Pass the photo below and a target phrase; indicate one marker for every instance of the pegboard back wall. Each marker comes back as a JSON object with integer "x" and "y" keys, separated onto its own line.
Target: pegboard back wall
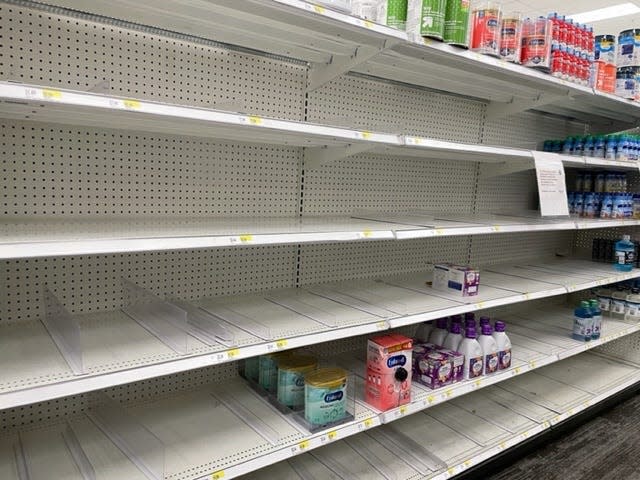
{"x": 42, "y": 48}
{"x": 93, "y": 283}
{"x": 62, "y": 171}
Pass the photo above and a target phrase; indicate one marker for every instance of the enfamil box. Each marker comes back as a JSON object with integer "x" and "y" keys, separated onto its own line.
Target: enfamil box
{"x": 388, "y": 382}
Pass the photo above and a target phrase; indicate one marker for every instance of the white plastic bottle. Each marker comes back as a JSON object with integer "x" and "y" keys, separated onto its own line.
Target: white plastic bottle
{"x": 489, "y": 350}
{"x": 472, "y": 352}
{"x": 504, "y": 345}
{"x": 452, "y": 342}
{"x": 439, "y": 333}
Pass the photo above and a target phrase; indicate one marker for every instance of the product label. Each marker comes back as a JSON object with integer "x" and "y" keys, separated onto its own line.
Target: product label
{"x": 491, "y": 362}
{"x": 632, "y": 309}
{"x": 324, "y": 405}
{"x": 504, "y": 357}
{"x": 624, "y": 257}
{"x": 582, "y": 328}
{"x": 618, "y": 306}
{"x": 432, "y": 24}
{"x": 604, "y": 303}
{"x": 597, "y": 325}
{"x": 475, "y": 367}
{"x": 396, "y": 13}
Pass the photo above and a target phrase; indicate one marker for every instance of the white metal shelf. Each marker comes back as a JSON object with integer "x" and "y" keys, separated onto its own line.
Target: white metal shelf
{"x": 336, "y": 43}
{"x": 32, "y": 238}
{"x": 260, "y": 324}
{"x": 190, "y": 425}
{"x": 469, "y": 430}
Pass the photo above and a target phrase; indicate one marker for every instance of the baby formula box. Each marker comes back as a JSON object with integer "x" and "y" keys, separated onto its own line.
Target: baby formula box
{"x": 389, "y": 365}
{"x": 325, "y": 396}
{"x": 486, "y": 22}
{"x": 605, "y": 49}
{"x": 291, "y": 372}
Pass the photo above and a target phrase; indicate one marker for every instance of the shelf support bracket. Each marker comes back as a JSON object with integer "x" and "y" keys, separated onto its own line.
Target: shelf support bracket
{"x": 322, "y": 73}
{"x": 498, "y": 110}
{"x": 491, "y": 170}
{"x": 316, "y": 157}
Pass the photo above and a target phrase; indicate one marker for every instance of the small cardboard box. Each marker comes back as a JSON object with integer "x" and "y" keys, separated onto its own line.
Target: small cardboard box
{"x": 388, "y": 382}
{"x": 457, "y": 279}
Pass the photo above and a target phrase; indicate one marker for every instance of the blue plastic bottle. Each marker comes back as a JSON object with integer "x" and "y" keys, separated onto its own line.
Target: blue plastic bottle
{"x": 582, "y": 322}
{"x": 624, "y": 256}
{"x": 611, "y": 147}
{"x": 596, "y": 314}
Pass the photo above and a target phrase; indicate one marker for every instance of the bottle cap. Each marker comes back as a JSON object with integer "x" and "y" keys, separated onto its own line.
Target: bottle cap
{"x": 441, "y": 323}
{"x": 469, "y": 315}
{"x": 484, "y": 320}
{"x": 456, "y": 319}
{"x": 486, "y": 329}
{"x": 584, "y": 304}
{"x": 470, "y": 323}
{"x": 500, "y": 326}
{"x": 470, "y": 333}
{"x": 456, "y": 328}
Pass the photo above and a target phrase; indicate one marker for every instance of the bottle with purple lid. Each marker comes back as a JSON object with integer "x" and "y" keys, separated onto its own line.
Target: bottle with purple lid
{"x": 439, "y": 333}
{"x": 489, "y": 350}
{"x": 504, "y": 345}
{"x": 484, "y": 320}
{"x": 472, "y": 351}
{"x": 452, "y": 342}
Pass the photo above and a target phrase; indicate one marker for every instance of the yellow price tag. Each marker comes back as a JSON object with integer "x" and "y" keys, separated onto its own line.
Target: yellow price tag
{"x": 439, "y": 231}
{"x": 246, "y": 238}
{"x": 448, "y": 393}
{"x": 532, "y": 364}
{"x": 234, "y": 352}
{"x": 480, "y": 305}
{"x": 403, "y": 410}
{"x": 503, "y": 445}
{"x": 52, "y": 94}
{"x": 132, "y": 104}
{"x": 426, "y": 41}
{"x": 467, "y": 463}
{"x": 368, "y": 422}
{"x": 546, "y": 424}
{"x": 527, "y": 296}
{"x": 282, "y": 343}
{"x": 367, "y": 233}
{"x": 366, "y": 135}
{"x": 368, "y": 24}
{"x": 304, "y": 445}
{"x": 255, "y": 120}
{"x": 218, "y": 475}
{"x": 496, "y": 228}
{"x": 332, "y": 435}
{"x": 478, "y": 383}
{"x": 318, "y": 9}
{"x": 381, "y": 325}
{"x": 517, "y": 371}
{"x": 430, "y": 399}
{"x": 451, "y": 471}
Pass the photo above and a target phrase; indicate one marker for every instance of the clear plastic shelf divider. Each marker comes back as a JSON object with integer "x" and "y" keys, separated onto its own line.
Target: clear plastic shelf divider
{"x": 64, "y": 330}
{"x": 331, "y": 464}
{"x": 239, "y": 320}
{"x": 22, "y": 465}
{"x": 366, "y": 295}
{"x": 165, "y": 321}
{"x": 248, "y": 417}
{"x": 139, "y": 444}
{"x": 352, "y": 302}
{"x": 418, "y": 456}
{"x": 301, "y": 465}
{"x": 299, "y": 306}
{"x": 365, "y": 452}
{"x": 206, "y": 327}
{"x": 78, "y": 454}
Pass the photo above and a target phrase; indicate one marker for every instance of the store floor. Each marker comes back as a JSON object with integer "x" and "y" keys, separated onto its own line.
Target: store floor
{"x": 604, "y": 448}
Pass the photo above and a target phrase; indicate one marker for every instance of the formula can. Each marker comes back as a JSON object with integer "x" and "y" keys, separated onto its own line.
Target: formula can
{"x": 536, "y": 43}
{"x": 485, "y": 28}
{"x": 426, "y": 18}
{"x": 325, "y": 396}
{"x": 393, "y": 13}
{"x": 291, "y": 372}
{"x": 268, "y": 370}
{"x": 627, "y": 82}
{"x": 456, "y": 22}
{"x": 511, "y": 38}
{"x": 605, "y": 49}
{"x": 629, "y": 48}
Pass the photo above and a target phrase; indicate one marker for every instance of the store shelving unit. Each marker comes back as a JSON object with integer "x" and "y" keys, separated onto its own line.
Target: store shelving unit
{"x": 191, "y": 184}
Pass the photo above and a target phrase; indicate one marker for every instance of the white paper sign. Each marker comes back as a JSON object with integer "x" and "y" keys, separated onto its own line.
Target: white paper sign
{"x": 552, "y": 187}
